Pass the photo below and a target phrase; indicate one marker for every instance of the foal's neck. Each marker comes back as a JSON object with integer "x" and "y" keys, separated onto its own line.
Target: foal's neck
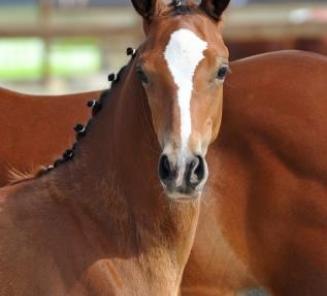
{"x": 114, "y": 177}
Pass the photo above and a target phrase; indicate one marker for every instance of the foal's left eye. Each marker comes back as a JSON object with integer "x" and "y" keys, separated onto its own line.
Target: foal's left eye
{"x": 142, "y": 76}
{"x": 222, "y": 72}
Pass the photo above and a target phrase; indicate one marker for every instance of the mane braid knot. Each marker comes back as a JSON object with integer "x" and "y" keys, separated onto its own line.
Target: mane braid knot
{"x": 91, "y": 103}
{"x": 68, "y": 154}
{"x": 95, "y": 105}
{"x": 111, "y": 77}
{"x": 131, "y": 52}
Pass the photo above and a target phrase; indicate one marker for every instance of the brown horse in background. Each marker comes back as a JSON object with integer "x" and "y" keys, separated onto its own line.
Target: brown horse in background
{"x": 266, "y": 222}
{"x": 100, "y": 222}
{"x": 34, "y": 129}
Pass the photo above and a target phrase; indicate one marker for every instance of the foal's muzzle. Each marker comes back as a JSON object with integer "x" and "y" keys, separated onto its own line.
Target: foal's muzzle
{"x": 183, "y": 179}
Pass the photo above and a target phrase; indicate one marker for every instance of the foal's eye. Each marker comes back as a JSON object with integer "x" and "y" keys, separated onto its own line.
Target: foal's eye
{"x": 222, "y": 72}
{"x": 142, "y": 76}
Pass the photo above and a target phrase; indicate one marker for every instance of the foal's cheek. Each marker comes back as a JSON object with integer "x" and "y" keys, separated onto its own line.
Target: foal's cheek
{"x": 207, "y": 134}
{"x": 156, "y": 118}
{"x": 216, "y": 123}
{"x": 216, "y": 113}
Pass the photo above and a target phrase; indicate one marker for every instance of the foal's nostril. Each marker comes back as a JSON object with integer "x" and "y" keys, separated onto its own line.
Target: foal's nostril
{"x": 164, "y": 168}
{"x": 200, "y": 169}
{"x": 196, "y": 171}
{"x": 184, "y": 177}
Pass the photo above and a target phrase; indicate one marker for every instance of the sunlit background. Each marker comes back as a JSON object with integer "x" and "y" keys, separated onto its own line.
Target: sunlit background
{"x": 61, "y": 46}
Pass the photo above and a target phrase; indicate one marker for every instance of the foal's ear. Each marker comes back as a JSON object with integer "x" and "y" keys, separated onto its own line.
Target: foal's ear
{"x": 148, "y": 8}
{"x": 214, "y": 8}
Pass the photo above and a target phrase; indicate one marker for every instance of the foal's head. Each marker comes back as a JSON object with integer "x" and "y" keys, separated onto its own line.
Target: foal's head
{"x": 182, "y": 66}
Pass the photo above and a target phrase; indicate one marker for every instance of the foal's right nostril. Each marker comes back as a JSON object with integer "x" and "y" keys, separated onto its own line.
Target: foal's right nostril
{"x": 164, "y": 168}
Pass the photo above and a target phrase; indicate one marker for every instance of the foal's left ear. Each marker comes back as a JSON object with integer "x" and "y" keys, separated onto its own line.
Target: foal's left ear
{"x": 214, "y": 8}
{"x": 148, "y": 8}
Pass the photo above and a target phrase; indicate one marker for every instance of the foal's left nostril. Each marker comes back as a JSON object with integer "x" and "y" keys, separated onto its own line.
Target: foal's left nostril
{"x": 196, "y": 171}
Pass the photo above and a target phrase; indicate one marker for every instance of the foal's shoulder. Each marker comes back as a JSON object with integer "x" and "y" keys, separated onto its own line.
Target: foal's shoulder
{"x": 25, "y": 234}
{"x": 23, "y": 203}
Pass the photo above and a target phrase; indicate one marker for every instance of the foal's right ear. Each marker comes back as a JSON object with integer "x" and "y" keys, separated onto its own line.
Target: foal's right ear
{"x": 148, "y": 8}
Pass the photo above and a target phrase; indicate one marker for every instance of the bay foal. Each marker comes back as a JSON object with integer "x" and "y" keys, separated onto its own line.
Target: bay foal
{"x": 100, "y": 223}
{"x": 248, "y": 191}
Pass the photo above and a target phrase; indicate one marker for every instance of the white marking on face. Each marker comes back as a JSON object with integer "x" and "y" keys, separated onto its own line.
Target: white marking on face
{"x": 183, "y": 54}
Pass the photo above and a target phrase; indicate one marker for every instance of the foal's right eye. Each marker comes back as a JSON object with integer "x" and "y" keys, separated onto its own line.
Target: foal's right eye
{"x": 142, "y": 76}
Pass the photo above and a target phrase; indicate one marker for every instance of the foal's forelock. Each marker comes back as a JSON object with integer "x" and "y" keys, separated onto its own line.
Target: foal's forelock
{"x": 183, "y": 53}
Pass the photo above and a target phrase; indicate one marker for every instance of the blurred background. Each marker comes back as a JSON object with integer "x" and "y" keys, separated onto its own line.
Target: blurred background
{"x": 61, "y": 46}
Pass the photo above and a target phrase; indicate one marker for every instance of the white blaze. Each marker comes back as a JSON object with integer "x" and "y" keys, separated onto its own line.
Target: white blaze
{"x": 183, "y": 54}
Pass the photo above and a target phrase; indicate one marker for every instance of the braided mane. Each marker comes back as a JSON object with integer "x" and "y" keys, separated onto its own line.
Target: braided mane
{"x": 81, "y": 130}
